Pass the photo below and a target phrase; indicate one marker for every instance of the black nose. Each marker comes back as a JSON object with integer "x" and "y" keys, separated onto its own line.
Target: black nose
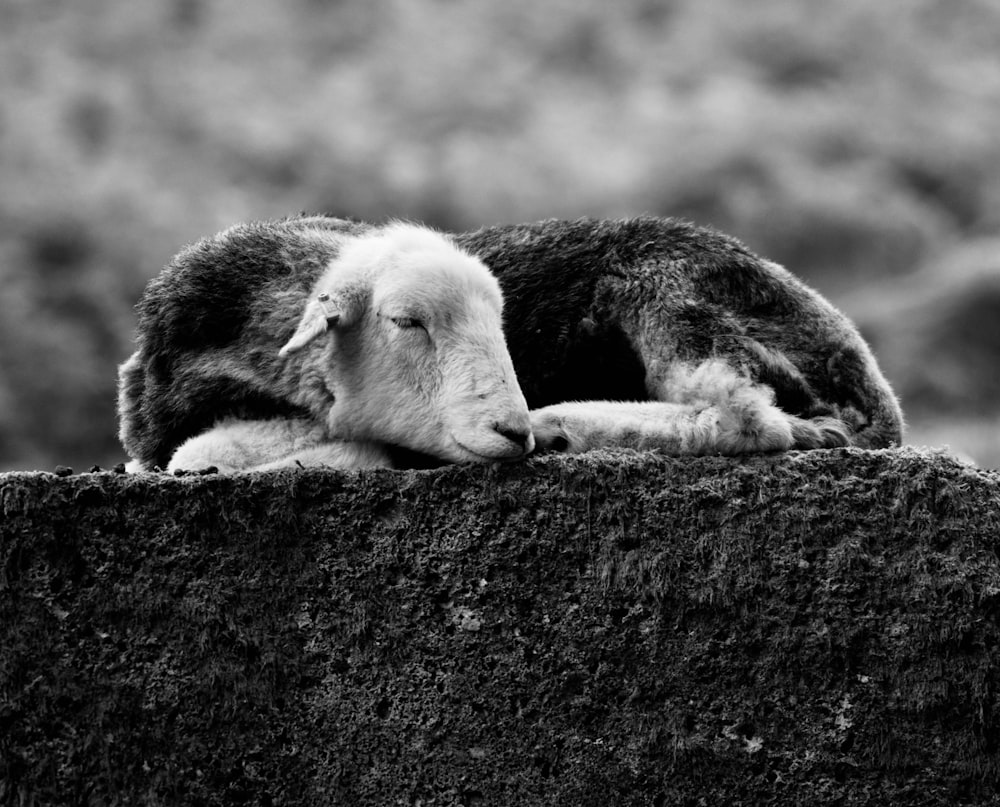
{"x": 516, "y": 436}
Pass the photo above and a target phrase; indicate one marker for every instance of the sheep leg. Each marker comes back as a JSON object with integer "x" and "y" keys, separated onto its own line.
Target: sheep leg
{"x": 342, "y": 454}
{"x": 257, "y": 445}
{"x": 711, "y": 410}
{"x": 676, "y": 429}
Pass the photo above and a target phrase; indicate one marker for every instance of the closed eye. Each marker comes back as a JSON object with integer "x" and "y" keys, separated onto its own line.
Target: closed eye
{"x": 407, "y": 322}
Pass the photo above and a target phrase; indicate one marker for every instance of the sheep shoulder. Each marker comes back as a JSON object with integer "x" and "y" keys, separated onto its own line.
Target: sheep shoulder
{"x": 206, "y": 331}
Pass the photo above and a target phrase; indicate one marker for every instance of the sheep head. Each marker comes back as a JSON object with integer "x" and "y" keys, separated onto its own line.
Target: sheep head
{"x": 406, "y": 331}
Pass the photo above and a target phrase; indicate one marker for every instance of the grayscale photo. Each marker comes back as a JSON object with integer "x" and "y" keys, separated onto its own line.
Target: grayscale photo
{"x": 432, "y": 402}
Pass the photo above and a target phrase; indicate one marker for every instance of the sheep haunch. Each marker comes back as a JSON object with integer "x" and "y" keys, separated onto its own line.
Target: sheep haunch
{"x": 302, "y": 341}
{"x": 690, "y": 323}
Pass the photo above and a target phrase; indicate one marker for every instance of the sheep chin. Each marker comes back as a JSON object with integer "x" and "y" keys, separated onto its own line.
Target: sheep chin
{"x": 510, "y": 453}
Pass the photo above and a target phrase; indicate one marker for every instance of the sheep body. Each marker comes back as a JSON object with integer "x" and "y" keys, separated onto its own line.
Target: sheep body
{"x": 629, "y": 310}
{"x": 644, "y": 332}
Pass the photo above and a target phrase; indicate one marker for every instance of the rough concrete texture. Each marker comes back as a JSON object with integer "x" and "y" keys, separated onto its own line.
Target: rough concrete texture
{"x": 610, "y": 629}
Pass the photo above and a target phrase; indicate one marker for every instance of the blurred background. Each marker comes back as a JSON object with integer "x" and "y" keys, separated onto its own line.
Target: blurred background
{"x": 857, "y": 143}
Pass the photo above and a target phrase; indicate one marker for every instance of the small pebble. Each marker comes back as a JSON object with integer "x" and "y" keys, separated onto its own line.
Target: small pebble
{"x": 62, "y": 470}
{"x": 119, "y": 468}
{"x": 95, "y": 469}
{"x": 211, "y": 469}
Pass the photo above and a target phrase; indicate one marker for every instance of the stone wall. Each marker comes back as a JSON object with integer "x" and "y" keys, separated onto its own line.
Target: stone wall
{"x": 610, "y": 629}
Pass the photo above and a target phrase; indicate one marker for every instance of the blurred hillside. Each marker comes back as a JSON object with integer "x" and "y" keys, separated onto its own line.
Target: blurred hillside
{"x": 854, "y": 142}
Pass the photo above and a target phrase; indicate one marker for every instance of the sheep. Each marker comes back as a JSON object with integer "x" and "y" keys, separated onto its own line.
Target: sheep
{"x": 320, "y": 341}
{"x": 641, "y": 333}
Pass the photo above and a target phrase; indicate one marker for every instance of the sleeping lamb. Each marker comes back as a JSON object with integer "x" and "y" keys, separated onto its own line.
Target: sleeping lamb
{"x": 321, "y": 341}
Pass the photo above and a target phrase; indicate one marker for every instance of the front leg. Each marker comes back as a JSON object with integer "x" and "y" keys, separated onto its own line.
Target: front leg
{"x": 233, "y": 446}
{"x": 342, "y": 454}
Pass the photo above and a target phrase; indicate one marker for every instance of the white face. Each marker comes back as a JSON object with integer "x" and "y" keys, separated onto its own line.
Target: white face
{"x": 422, "y": 363}
{"x": 429, "y": 369}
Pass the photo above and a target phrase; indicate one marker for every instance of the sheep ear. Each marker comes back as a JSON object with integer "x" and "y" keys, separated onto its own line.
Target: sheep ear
{"x": 319, "y": 316}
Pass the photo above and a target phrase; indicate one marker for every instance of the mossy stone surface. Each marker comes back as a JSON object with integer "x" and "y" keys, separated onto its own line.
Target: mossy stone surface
{"x": 608, "y": 629}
